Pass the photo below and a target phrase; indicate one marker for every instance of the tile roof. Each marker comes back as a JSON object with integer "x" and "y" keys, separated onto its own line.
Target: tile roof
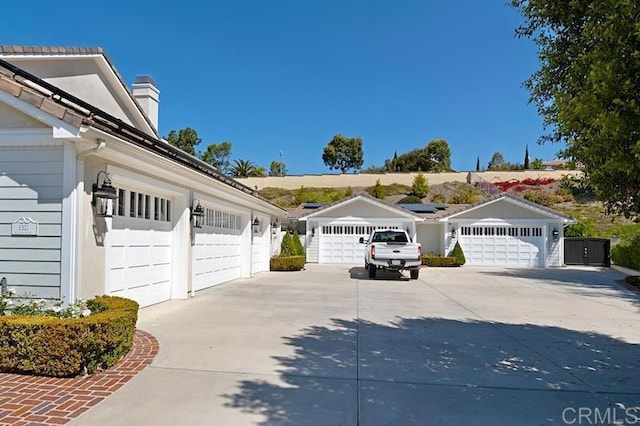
{"x": 66, "y": 107}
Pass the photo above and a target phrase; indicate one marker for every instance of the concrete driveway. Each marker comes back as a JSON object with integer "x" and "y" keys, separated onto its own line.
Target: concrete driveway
{"x": 328, "y": 346}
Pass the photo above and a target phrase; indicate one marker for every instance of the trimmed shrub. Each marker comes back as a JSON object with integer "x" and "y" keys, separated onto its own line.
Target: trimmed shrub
{"x": 289, "y": 263}
{"x": 627, "y": 254}
{"x": 287, "y": 248}
{"x": 298, "y": 250}
{"x": 458, "y": 254}
{"x": 439, "y": 261}
{"x": 56, "y": 347}
{"x": 410, "y": 199}
{"x": 581, "y": 229}
{"x": 377, "y": 191}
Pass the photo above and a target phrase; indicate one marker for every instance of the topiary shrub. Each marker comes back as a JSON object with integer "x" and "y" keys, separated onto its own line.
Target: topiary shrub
{"x": 292, "y": 256}
{"x": 439, "y": 261}
{"x": 289, "y": 263}
{"x": 287, "y": 247}
{"x": 458, "y": 254}
{"x": 59, "y": 347}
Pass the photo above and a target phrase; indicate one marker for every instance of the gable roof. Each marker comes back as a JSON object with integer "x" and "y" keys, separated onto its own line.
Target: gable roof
{"x": 89, "y": 52}
{"x": 54, "y": 101}
{"x": 514, "y": 200}
{"x": 364, "y": 197}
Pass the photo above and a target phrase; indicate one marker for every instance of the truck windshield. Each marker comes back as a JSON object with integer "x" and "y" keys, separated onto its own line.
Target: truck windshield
{"x": 390, "y": 236}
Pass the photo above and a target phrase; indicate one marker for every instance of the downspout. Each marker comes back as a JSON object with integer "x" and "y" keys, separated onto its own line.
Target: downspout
{"x": 251, "y": 244}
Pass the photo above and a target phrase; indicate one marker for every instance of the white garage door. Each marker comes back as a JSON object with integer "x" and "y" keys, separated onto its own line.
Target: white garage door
{"x": 519, "y": 246}
{"x": 340, "y": 243}
{"x": 140, "y": 250}
{"x": 217, "y": 249}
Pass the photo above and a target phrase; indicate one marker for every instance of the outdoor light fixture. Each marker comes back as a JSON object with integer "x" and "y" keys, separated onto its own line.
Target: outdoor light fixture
{"x": 197, "y": 214}
{"x": 256, "y": 225}
{"x": 453, "y": 232}
{"x": 313, "y": 231}
{"x": 555, "y": 233}
{"x": 103, "y": 196}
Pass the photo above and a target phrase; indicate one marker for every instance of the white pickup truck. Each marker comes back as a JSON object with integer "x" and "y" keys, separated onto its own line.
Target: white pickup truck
{"x": 392, "y": 249}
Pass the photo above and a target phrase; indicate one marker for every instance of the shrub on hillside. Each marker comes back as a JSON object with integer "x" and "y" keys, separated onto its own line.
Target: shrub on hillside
{"x": 458, "y": 254}
{"x": 543, "y": 198}
{"x": 627, "y": 254}
{"x": 464, "y": 194}
{"x": 420, "y": 186}
{"x": 410, "y": 199}
{"x": 378, "y": 191}
{"x": 438, "y": 198}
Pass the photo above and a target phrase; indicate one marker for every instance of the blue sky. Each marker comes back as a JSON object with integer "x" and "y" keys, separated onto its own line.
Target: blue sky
{"x": 289, "y": 74}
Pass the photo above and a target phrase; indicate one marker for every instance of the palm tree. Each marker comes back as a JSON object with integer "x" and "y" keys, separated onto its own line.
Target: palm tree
{"x": 243, "y": 168}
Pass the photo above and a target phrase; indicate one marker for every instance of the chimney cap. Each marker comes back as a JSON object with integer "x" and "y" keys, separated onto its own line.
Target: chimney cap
{"x": 145, "y": 79}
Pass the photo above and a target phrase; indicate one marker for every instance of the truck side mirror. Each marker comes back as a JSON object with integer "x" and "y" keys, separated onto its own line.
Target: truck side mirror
{"x": 361, "y": 240}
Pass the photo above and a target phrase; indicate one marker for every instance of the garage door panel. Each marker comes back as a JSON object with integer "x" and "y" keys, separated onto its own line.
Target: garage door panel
{"x": 217, "y": 250}
{"x": 502, "y": 245}
{"x": 340, "y": 243}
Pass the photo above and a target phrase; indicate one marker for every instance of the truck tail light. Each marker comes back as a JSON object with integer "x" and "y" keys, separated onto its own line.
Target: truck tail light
{"x": 419, "y": 251}
{"x": 373, "y": 252}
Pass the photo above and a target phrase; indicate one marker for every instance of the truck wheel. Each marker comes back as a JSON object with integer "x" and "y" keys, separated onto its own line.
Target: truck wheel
{"x": 372, "y": 271}
{"x": 414, "y": 273}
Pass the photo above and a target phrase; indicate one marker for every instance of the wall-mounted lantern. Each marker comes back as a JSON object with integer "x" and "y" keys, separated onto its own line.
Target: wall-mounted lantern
{"x": 555, "y": 233}
{"x": 453, "y": 232}
{"x": 274, "y": 226}
{"x": 103, "y": 196}
{"x": 313, "y": 231}
{"x": 255, "y": 225}
{"x": 197, "y": 214}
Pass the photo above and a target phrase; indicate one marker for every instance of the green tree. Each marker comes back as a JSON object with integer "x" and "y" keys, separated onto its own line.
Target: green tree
{"x": 343, "y": 153}
{"x": 277, "y": 169}
{"x": 526, "y": 158}
{"x": 497, "y": 162}
{"x": 439, "y": 156}
{"x": 246, "y": 168}
{"x": 587, "y": 89}
{"x": 218, "y": 156}
{"x": 420, "y": 186}
{"x": 185, "y": 139}
{"x": 536, "y": 164}
{"x": 478, "y": 164}
{"x": 378, "y": 190}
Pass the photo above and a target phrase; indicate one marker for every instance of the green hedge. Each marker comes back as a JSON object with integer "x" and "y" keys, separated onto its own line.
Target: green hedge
{"x": 58, "y": 347}
{"x": 627, "y": 254}
{"x": 439, "y": 261}
{"x": 287, "y": 263}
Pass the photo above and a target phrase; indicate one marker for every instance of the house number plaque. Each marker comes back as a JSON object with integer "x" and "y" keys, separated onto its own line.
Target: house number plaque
{"x": 25, "y": 226}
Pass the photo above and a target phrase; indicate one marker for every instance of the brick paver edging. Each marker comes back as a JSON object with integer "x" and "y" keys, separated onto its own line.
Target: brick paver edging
{"x": 35, "y": 400}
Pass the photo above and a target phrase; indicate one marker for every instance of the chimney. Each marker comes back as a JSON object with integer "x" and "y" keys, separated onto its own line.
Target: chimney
{"x": 146, "y": 92}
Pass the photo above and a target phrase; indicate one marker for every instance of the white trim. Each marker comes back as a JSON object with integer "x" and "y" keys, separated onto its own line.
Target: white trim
{"x": 502, "y": 222}
{"x": 61, "y": 129}
{"x": 69, "y": 225}
{"x": 28, "y": 138}
{"x": 515, "y": 202}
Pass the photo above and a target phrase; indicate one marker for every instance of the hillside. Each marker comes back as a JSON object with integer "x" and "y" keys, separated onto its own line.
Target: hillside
{"x": 564, "y": 195}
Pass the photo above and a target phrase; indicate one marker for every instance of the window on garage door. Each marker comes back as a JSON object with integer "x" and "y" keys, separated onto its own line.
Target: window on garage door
{"x": 501, "y": 231}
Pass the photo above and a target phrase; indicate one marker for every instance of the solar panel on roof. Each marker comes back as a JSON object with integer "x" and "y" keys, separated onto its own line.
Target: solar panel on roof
{"x": 440, "y": 206}
{"x": 418, "y": 208}
{"x": 312, "y": 205}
